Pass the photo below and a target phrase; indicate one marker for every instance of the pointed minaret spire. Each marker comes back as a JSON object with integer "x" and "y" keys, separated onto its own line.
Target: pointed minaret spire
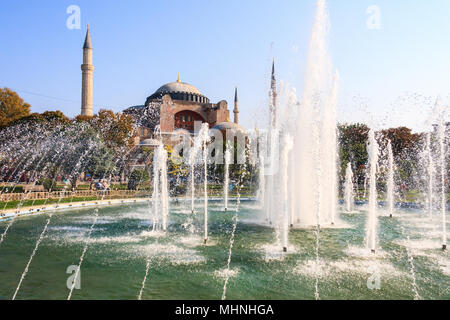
{"x": 87, "y": 78}
{"x": 236, "y": 107}
{"x": 87, "y": 40}
{"x": 273, "y": 97}
{"x": 273, "y": 70}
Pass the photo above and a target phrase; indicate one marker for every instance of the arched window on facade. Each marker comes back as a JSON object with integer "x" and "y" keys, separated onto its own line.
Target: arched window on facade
{"x": 186, "y": 119}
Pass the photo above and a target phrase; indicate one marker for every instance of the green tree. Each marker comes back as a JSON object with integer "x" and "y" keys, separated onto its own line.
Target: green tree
{"x": 352, "y": 148}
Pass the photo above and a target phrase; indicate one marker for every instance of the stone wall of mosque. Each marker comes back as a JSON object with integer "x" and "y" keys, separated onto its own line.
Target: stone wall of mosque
{"x": 211, "y": 113}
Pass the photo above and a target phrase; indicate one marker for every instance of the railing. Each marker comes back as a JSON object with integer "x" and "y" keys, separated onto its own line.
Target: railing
{"x": 5, "y": 197}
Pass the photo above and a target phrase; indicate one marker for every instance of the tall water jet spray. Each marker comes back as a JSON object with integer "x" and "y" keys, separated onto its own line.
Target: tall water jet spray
{"x": 390, "y": 180}
{"x": 315, "y": 146}
{"x": 155, "y": 192}
{"x": 329, "y": 152}
{"x": 271, "y": 181}
{"x": 365, "y": 184}
{"x": 430, "y": 174}
{"x": 262, "y": 178}
{"x": 204, "y": 138}
{"x": 164, "y": 188}
{"x": 227, "y": 176}
{"x": 160, "y": 195}
{"x": 287, "y": 147}
{"x": 441, "y": 139}
{"x": 348, "y": 190}
{"x": 291, "y": 194}
{"x": 371, "y": 232}
{"x": 270, "y": 194}
{"x": 197, "y": 145}
{"x": 192, "y": 186}
{"x": 41, "y": 237}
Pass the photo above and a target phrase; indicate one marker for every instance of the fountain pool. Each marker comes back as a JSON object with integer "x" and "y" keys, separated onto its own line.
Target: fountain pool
{"x": 181, "y": 267}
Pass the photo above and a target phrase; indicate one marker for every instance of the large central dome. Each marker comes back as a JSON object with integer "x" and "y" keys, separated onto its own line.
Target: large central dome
{"x": 181, "y": 91}
{"x": 178, "y": 87}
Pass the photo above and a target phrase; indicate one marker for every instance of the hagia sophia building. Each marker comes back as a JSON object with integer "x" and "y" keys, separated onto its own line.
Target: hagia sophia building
{"x": 174, "y": 107}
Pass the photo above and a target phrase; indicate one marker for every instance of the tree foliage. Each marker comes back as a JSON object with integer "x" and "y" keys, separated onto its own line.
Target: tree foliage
{"x": 352, "y": 143}
{"x": 115, "y": 129}
{"x": 12, "y": 107}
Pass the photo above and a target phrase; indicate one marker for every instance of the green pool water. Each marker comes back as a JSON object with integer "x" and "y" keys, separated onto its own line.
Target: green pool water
{"x": 409, "y": 263}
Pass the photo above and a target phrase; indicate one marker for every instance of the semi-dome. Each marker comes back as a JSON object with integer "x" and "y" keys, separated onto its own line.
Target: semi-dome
{"x": 179, "y": 91}
{"x": 150, "y": 143}
{"x": 181, "y": 132}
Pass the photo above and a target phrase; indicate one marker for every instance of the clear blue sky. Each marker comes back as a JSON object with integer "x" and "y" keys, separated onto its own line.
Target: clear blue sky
{"x": 391, "y": 75}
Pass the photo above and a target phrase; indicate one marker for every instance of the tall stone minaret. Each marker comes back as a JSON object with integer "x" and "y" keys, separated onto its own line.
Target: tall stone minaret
{"x": 236, "y": 107}
{"x": 87, "y": 78}
{"x": 273, "y": 97}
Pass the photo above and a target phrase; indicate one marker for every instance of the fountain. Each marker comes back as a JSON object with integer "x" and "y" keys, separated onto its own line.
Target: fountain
{"x": 371, "y": 231}
{"x": 314, "y": 134}
{"x": 227, "y": 176}
{"x": 155, "y": 194}
{"x": 365, "y": 186}
{"x": 330, "y": 150}
{"x": 262, "y": 179}
{"x": 160, "y": 197}
{"x": 298, "y": 166}
{"x": 160, "y": 194}
{"x": 348, "y": 190}
{"x": 198, "y": 144}
{"x": 441, "y": 138}
{"x": 430, "y": 173}
{"x": 270, "y": 193}
{"x": 44, "y": 230}
{"x": 390, "y": 181}
{"x": 227, "y": 270}
{"x": 192, "y": 174}
{"x": 287, "y": 147}
{"x": 202, "y": 140}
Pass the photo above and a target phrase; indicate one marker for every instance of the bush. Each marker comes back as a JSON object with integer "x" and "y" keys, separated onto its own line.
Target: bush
{"x": 137, "y": 177}
{"x": 119, "y": 187}
{"x": 13, "y": 189}
{"x": 46, "y": 183}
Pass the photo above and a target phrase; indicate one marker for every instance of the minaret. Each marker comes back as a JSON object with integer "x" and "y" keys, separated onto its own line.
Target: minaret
{"x": 273, "y": 97}
{"x": 87, "y": 78}
{"x": 236, "y": 107}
